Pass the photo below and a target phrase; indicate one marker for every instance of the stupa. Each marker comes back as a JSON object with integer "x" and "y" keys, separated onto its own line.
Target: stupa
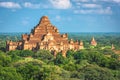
{"x": 93, "y": 42}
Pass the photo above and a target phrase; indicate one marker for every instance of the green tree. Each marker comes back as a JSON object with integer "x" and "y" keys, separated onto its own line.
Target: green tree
{"x": 29, "y": 71}
{"x": 26, "y": 53}
{"x": 97, "y": 73}
{"x": 9, "y": 73}
{"x": 15, "y": 55}
{"x": 4, "y": 59}
{"x": 44, "y": 55}
{"x": 60, "y": 60}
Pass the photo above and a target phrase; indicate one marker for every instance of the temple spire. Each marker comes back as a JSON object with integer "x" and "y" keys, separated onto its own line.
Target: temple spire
{"x": 112, "y": 47}
{"x": 93, "y": 42}
{"x": 93, "y": 39}
{"x": 44, "y": 20}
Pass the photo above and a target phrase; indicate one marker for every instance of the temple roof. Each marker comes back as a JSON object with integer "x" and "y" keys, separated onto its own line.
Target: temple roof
{"x": 46, "y": 31}
{"x": 44, "y": 19}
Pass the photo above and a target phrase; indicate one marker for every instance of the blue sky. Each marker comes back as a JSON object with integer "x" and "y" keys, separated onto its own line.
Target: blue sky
{"x": 66, "y": 15}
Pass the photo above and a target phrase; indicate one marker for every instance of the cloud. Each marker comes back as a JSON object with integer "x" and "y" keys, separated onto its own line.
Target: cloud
{"x": 61, "y": 4}
{"x": 94, "y": 11}
{"x": 94, "y": 0}
{"x": 81, "y": 0}
{"x": 105, "y": 11}
{"x": 31, "y": 5}
{"x": 116, "y": 1}
{"x": 91, "y": 5}
{"x": 9, "y": 5}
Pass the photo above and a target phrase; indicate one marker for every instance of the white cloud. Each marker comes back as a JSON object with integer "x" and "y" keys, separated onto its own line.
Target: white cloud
{"x": 94, "y": 11}
{"x": 81, "y": 0}
{"x": 105, "y": 11}
{"x": 78, "y": 3}
{"x": 91, "y": 5}
{"x": 94, "y": 0}
{"x": 116, "y": 1}
{"x": 61, "y": 4}
{"x": 30, "y": 5}
{"x": 9, "y": 5}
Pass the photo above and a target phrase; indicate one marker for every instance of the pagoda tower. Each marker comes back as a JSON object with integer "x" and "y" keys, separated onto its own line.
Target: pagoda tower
{"x": 81, "y": 45}
{"x": 93, "y": 42}
{"x": 112, "y": 47}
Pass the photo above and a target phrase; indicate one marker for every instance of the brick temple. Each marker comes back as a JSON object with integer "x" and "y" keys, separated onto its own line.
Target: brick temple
{"x": 45, "y": 36}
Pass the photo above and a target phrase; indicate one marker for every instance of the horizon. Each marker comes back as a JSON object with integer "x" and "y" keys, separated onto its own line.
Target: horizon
{"x": 61, "y": 32}
{"x": 84, "y": 16}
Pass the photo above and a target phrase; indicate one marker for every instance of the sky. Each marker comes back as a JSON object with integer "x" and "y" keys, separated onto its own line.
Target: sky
{"x": 66, "y": 15}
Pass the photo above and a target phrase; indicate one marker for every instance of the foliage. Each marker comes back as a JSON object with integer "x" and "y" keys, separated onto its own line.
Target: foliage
{"x": 92, "y": 63}
{"x": 4, "y": 59}
{"x": 44, "y": 55}
{"x": 93, "y": 72}
{"x": 60, "y": 60}
{"x": 9, "y": 73}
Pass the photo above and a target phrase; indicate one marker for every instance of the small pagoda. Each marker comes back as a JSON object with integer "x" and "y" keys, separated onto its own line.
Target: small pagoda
{"x": 93, "y": 42}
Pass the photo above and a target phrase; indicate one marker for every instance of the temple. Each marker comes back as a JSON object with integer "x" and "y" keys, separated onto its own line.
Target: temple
{"x": 45, "y": 36}
{"x": 112, "y": 47}
{"x": 93, "y": 42}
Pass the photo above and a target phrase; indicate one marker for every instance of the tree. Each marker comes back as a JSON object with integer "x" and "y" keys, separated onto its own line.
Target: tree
{"x": 70, "y": 53}
{"x": 4, "y": 59}
{"x": 26, "y": 53}
{"x": 15, "y": 55}
{"x": 29, "y": 71}
{"x": 93, "y": 72}
{"x": 60, "y": 60}
{"x": 21, "y": 53}
{"x": 44, "y": 55}
{"x": 16, "y": 52}
{"x": 9, "y": 73}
